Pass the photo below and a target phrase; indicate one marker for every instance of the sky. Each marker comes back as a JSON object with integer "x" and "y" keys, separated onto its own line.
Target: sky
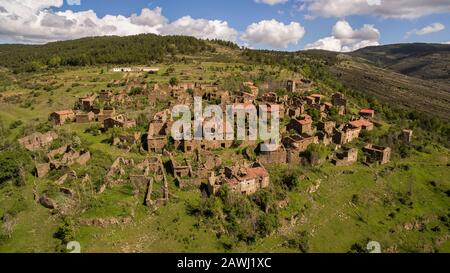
{"x": 337, "y": 25}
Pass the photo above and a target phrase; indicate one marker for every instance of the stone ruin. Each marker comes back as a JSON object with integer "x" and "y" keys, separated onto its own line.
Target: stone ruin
{"x": 144, "y": 177}
{"x": 37, "y": 141}
{"x": 64, "y": 156}
{"x": 346, "y": 158}
{"x": 190, "y": 174}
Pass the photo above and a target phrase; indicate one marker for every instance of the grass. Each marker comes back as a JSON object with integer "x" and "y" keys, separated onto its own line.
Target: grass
{"x": 333, "y": 217}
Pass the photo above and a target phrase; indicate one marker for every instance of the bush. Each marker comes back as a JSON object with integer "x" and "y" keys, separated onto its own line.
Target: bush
{"x": 316, "y": 153}
{"x": 66, "y": 231}
{"x": 300, "y": 241}
{"x": 13, "y": 164}
{"x": 173, "y": 81}
{"x": 15, "y": 124}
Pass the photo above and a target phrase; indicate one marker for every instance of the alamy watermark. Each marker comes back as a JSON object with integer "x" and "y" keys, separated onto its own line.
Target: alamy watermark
{"x": 239, "y": 121}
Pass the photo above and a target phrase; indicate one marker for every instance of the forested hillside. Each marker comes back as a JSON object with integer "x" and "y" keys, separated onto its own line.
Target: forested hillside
{"x": 139, "y": 49}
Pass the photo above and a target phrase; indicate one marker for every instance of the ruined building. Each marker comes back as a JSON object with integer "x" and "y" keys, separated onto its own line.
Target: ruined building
{"x": 37, "y": 140}
{"x": 60, "y": 117}
{"x": 346, "y": 157}
{"x": 377, "y": 154}
{"x": 244, "y": 179}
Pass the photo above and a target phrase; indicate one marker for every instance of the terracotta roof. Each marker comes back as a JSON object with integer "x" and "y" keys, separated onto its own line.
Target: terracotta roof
{"x": 243, "y": 106}
{"x": 65, "y": 112}
{"x": 367, "y": 111}
{"x": 306, "y": 120}
{"x": 316, "y": 96}
{"x": 257, "y": 172}
{"x": 361, "y": 123}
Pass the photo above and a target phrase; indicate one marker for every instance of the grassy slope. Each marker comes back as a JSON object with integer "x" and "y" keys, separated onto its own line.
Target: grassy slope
{"x": 330, "y": 219}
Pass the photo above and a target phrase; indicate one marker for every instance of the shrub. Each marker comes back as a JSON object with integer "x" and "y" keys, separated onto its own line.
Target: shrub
{"x": 13, "y": 163}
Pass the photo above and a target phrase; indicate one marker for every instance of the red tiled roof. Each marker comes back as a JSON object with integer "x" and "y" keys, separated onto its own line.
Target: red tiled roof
{"x": 306, "y": 120}
{"x": 64, "y": 112}
{"x": 367, "y": 111}
{"x": 257, "y": 172}
{"x": 361, "y": 123}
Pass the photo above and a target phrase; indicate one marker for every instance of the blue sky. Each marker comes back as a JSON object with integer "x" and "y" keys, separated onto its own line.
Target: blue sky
{"x": 288, "y": 25}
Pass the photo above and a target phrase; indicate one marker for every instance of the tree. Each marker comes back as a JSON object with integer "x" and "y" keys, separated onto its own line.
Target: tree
{"x": 54, "y": 62}
{"x": 316, "y": 153}
{"x": 173, "y": 81}
{"x": 12, "y": 165}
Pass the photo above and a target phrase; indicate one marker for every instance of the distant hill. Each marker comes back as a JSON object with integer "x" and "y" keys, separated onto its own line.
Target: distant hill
{"x": 138, "y": 49}
{"x": 425, "y": 61}
{"x": 416, "y": 76}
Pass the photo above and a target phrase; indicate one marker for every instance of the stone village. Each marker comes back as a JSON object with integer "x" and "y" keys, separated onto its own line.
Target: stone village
{"x": 196, "y": 162}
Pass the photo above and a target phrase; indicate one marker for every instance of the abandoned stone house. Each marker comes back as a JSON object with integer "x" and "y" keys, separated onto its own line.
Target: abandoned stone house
{"x": 270, "y": 97}
{"x": 296, "y": 101}
{"x": 364, "y": 124}
{"x": 327, "y": 127}
{"x": 270, "y": 108}
{"x": 317, "y": 98}
{"x": 37, "y": 140}
{"x": 346, "y": 158}
{"x": 83, "y": 117}
{"x": 190, "y": 146}
{"x": 295, "y": 112}
{"x": 299, "y": 143}
{"x": 407, "y": 135}
{"x": 298, "y": 86}
{"x": 346, "y": 134}
{"x": 87, "y": 102}
{"x": 118, "y": 121}
{"x": 367, "y": 113}
{"x": 106, "y": 96}
{"x": 338, "y": 99}
{"x": 157, "y": 137}
{"x": 181, "y": 169}
{"x": 125, "y": 141}
{"x": 276, "y": 156}
{"x": 324, "y": 138}
{"x": 310, "y": 100}
{"x": 245, "y": 179}
{"x": 291, "y": 86}
{"x": 377, "y": 154}
{"x": 245, "y": 97}
{"x": 60, "y": 117}
{"x": 220, "y": 96}
{"x": 106, "y": 113}
{"x": 63, "y": 156}
{"x": 328, "y": 106}
{"x": 205, "y": 163}
{"x": 302, "y": 125}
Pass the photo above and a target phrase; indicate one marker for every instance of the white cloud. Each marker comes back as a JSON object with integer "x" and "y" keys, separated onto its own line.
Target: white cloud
{"x": 201, "y": 28}
{"x": 447, "y": 43}
{"x": 327, "y": 43}
{"x": 149, "y": 17}
{"x": 436, "y": 27}
{"x": 30, "y": 21}
{"x": 403, "y": 9}
{"x": 273, "y": 33}
{"x": 73, "y": 2}
{"x": 271, "y": 2}
{"x": 344, "y": 38}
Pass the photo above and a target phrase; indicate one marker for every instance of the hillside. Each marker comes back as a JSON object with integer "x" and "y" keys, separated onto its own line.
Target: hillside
{"x": 139, "y": 191}
{"x": 424, "y": 61}
{"x": 413, "y": 76}
{"x": 138, "y": 49}
{"x": 426, "y": 96}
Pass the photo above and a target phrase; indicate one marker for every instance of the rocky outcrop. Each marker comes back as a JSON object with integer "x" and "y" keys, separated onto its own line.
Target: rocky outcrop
{"x": 47, "y": 202}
